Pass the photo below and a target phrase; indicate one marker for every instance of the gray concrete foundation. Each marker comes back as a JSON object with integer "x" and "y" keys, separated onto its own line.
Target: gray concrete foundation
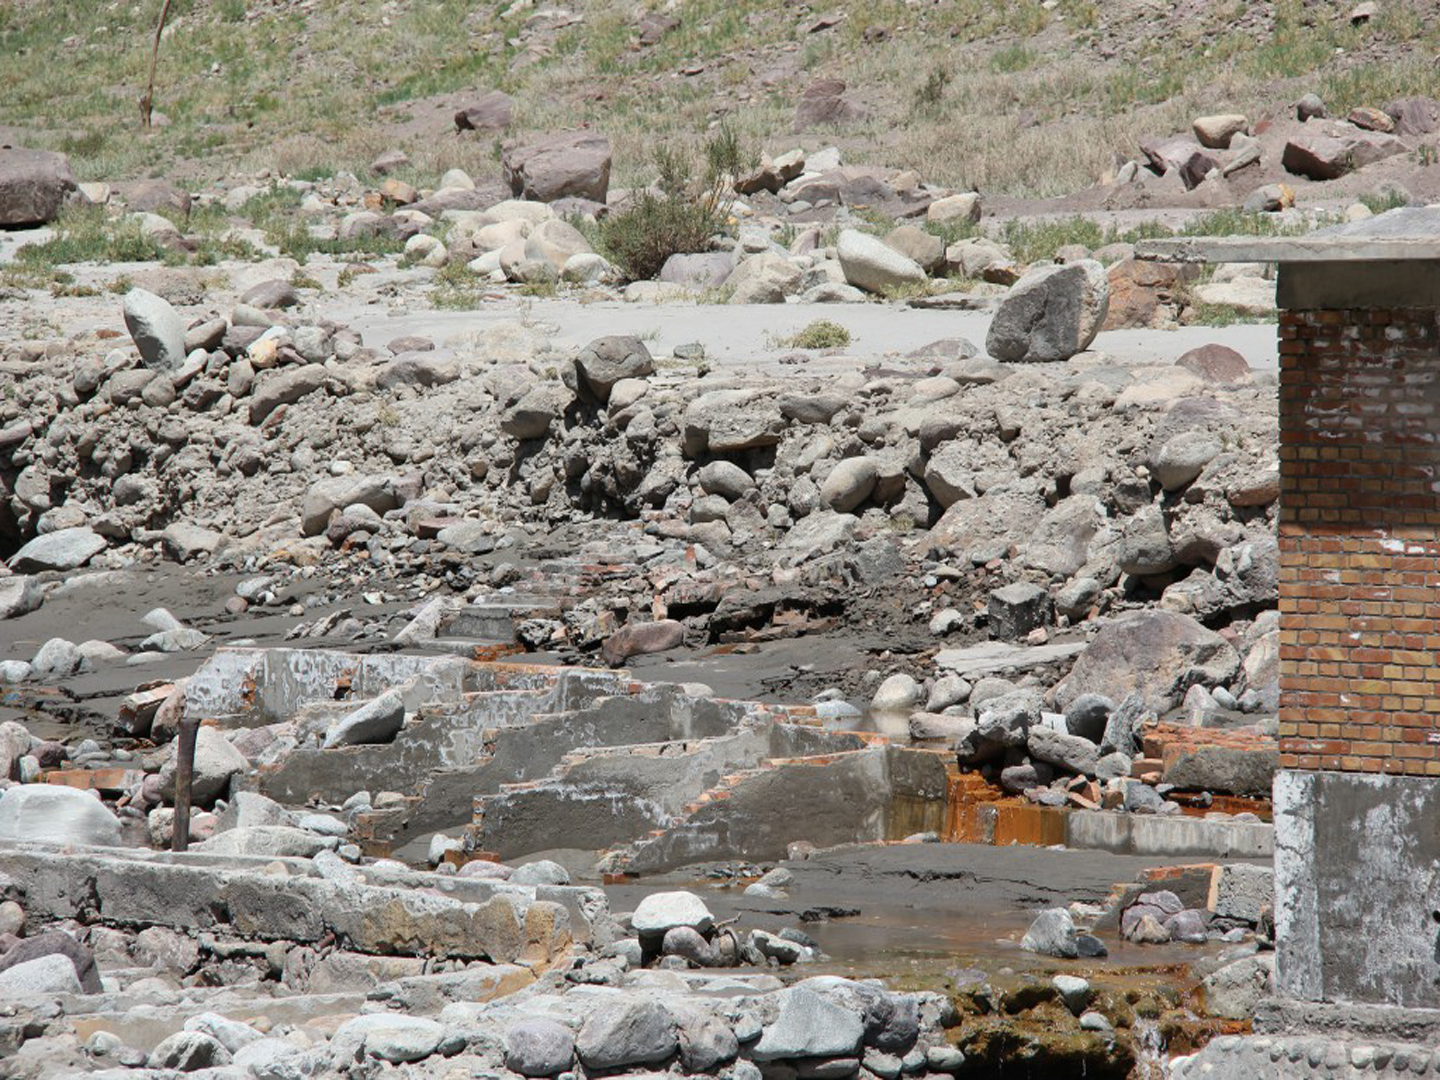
{"x": 1357, "y": 888}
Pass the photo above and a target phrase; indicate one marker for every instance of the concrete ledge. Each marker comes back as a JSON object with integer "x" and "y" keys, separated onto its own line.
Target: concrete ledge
{"x": 1379, "y": 1023}
{"x": 1145, "y": 834}
{"x": 1302, "y": 1057}
{"x": 493, "y": 921}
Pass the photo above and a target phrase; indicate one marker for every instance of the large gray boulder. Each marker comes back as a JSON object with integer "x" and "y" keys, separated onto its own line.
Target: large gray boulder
{"x": 216, "y": 761}
{"x": 377, "y": 721}
{"x": 53, "y": 974}
{"x": 1015, "y": 610}
{"x": 537, "y": 409}
{"x": 1051, "y": 313}
{"x": 56, "y": 660}
{"x": 572, "y": 164}
{"x": 490, "y": 111}
{"x": 57, "y": 943}
{"x": 870, "y": 264}
{"x": 333, "y": 493}
{"x": 63, "y": 549}
{"x": 1071, "y": 752}
{"x": 1184, "y": 457}
{"x": 1321, "y": 157}
{"x": 1052, "y": 933}
{"x": 1236, "y": 989}
{"x": 627, "y": 1032}
{"x": 20, "y": 594}
{"x": 387, "y": 1036}
{"x": 766, "y": 278}
{"x": 810, "y": 1025}
{"x": 661, "y": 912}
{"x": 1226, "y": 770}
{"x": 55, "y": 814}
{"x": 849, "y": 484}
{"x": 702, "y": 270}
{"x": 1156, "y": 654}
{"x": 156, "y": 328}
{"x": 1145, "y": 544}
{"x": 539, "y": 1048}
{"x": 605, "y": 361}
{"x": 34, "y": 185}
{"x": 188, "y": 1051}
{"x": 286, "y": 387}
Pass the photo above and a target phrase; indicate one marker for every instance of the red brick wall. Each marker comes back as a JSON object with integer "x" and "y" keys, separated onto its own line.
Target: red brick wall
{"x": 1360, "y": 540}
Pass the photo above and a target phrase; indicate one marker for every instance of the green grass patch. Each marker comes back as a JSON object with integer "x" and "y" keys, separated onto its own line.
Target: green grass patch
{"x": 1011, "y": 59}
{"x": 83, "y": 234}
{"x": 1381, "y": 201}
{"x": 820, "y": 334}
{"x": 1222, "y": 315}
{"x": 456, "y": 288}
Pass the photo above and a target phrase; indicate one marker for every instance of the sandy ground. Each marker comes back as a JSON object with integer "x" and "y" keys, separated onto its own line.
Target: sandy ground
{"x": 750, "y": 334}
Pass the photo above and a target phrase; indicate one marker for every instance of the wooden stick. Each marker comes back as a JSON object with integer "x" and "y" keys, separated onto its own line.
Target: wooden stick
{"x": 184, "y": 773}
{"x": 147, "y": 101}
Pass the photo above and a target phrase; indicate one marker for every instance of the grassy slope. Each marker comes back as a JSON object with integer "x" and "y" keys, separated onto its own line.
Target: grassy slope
{"x": 1011, "y": 97}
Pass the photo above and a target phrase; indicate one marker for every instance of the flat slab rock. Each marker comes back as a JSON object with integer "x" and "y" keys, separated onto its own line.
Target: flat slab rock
{"x": 990, "y": 657}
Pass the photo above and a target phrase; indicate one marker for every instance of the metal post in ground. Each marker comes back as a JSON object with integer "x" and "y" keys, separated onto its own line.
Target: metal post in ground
{"x": 184, "y": 771}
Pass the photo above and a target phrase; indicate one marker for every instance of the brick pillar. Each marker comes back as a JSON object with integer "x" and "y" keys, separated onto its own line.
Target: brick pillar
{"x": 1357, "y": 808}
{"x": 1360, "y": 541}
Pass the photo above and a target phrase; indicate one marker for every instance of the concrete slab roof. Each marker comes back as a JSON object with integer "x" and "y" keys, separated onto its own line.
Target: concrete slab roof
{"x": 1407, "y": 233}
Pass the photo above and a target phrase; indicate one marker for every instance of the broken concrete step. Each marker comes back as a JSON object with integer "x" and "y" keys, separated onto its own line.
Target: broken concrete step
{"x": 416, "y": 915}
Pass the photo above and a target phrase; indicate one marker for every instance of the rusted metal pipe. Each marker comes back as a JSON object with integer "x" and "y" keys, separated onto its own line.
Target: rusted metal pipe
{"x": 184, "y": 772}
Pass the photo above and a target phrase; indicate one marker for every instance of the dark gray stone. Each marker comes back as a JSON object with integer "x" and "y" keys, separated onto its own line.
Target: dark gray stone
{"x": 1087, "y": 716}
{"x": 627, "y": 1032}
{"x": 1122, "y": 727}
{"x": 706, "y": 1043}
{"x": 268, "y": 295}
{"x": 1187, "y": 926}
{"x": 539, "y": 1048}
{"x": 1017, "y": 609}
{"x": 1052, "y": 934}
{"x": 1157, "y": 654}
{"x": 188, "y": 1051}
{"x": 377, "y": 721}
{"x": 34, "y": 185}
{"x": 1069, "y": 752}
{"x": 1225, "y": 770}
{"x": 1050, "y": 314}
{"x": 1142, "y": 799}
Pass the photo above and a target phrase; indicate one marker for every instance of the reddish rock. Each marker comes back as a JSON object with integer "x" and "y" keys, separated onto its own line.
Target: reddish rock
{"x": 1414, "y": 115}
{"x": 1370, "y": 119}
{"x": 1215, "y": 363}
{"x": 34, "y": 184}
{"x": 1142, "y": 293}
{"x": 655, "y": 26}
{"x": 491, "y": 111}
{"x": 824, "y": 102}
{"x": 552, "y": 167}
{"x": 639, "y": 639}
{"x": 1324, "y": 158}
{"x": 1186, "y": 157}
{"x": 153, "y": 196}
